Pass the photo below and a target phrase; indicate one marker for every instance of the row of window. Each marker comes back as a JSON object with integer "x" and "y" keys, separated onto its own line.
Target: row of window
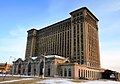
{"x": 55, "y": 29}
{"x": 91, "y": 20}
{"x": 87, "y": 73}
{"x": 55, "y": 44}
{"x": 66, "y": 72}
{"x": 93, "y": 46}
{"x": 82, "y": 73}
{"x": 78, "y": 32}
{"x": 78, "y": 14}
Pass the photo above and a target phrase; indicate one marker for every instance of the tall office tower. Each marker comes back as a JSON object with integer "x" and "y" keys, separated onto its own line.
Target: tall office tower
{"x": 75, "y": 38}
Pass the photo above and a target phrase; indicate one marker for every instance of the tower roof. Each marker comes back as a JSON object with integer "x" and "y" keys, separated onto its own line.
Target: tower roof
{"x": 84, "y": 8}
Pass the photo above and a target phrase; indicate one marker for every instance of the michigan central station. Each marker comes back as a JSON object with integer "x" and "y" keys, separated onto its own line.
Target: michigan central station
{"x": 66, "y": 49}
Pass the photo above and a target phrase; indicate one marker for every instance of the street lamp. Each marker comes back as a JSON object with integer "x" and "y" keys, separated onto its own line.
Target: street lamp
{"x": 11, "y": 57}
{"x": 43, "y": 69}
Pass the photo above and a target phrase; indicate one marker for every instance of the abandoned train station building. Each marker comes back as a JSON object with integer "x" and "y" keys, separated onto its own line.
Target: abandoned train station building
{"x": 68, "y": 49}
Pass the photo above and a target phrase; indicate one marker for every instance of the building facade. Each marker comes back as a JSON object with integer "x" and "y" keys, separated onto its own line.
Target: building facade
{"x": 75, "y": 38}
{"x": 37, "y": 66}
{"x": 70, "y": 48}
{"x": 54, "y": 66}
{"x": 5, "y": 68}
{"x": 58, "y": 66}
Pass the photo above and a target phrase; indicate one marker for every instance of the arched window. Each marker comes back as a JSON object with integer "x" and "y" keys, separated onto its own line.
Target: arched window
{"x": 79, "y": 72}
{"x": 61, "y": 72}
{"x": 23, "y": 71}
{"x": 29, "y": 69}
{"x": 86, "y": 73}
{"x": 41, "y": 68}
{"x": 82, "y": 73}
{"x": 65, "y": 72}
{"x": 34, "y": 71}
{"x": 69, "y": 72}
{"x": 19, "y": 68}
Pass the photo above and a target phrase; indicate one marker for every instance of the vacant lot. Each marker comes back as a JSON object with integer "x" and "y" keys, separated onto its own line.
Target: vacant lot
{"x": 38, "y": 80}
{"x": 18, "y": 80}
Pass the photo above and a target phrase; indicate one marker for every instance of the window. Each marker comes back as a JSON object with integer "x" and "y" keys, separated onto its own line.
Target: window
{"x": 65, "y": 72}
{"x": 86, "y": 73}
{"x": 79, "y": 72}
{"x": 61, "y": 72}
{"x": 69, "y": 72}
{"x": 82, "y": 61}
{"x": 81, "y": 13}
{"x": 81, "y": 27}
{"x": 81, "y": 47}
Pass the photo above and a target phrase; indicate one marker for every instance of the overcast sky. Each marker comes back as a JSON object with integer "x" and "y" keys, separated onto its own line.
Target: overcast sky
{"x": 18, "y": 16}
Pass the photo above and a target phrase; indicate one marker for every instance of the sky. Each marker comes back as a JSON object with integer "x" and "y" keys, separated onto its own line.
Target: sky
{"x": 18, "y": 16}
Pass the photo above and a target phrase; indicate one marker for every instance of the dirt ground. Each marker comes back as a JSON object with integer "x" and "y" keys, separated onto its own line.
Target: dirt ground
{"x": 3, "y": 78}
{"x": 29, "y": 81}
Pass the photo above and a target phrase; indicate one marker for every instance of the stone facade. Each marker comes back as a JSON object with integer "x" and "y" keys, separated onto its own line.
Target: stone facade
{"x": 35, "y": 66}
{"x": 57, "y": 66}
{"x": 54, "y": 66}
{"x": 75, "y": 38}
{"x": 76, "y": 71}
{"x": 71, "y": 49}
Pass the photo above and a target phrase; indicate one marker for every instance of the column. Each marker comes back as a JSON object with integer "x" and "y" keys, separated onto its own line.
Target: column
{"x": 26, "y": 69}
{"x": 81, "y": 73}
{"x": 91, "y": 74}
{"x": 16, "y": 69}
{"x": 38, "y": 69}
{"x": 63, "y": 72}
{"x": 85, "y": 73}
